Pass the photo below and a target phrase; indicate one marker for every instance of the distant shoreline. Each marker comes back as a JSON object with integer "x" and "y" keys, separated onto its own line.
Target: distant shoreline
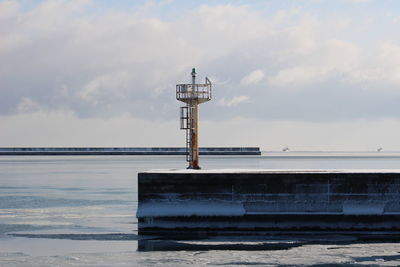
{"x": 87, "y": 151}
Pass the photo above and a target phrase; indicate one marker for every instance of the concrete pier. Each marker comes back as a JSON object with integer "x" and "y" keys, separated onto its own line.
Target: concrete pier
{"x": 71, "y": 151}
{"x": 253, "y": 200}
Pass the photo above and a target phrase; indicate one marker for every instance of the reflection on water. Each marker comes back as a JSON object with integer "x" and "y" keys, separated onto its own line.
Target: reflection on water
{"x": 172, "y": 245}
{"x": 82, "y": 236}
{"x": 264, "y": 241}
{"x": 32, "y": 202}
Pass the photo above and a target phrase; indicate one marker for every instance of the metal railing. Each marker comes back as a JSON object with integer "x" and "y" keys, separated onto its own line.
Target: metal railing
{"x": 196, "y": 91}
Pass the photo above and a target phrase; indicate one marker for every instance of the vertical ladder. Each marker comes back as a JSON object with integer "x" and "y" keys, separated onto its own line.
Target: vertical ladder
{"x": 186, "y": 121}
{"x": 189, "y": 155}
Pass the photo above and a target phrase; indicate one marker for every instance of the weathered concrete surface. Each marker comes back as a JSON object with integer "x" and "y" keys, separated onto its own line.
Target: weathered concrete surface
{"x": 24, "y": 151}
{"x": 269, "y": 199}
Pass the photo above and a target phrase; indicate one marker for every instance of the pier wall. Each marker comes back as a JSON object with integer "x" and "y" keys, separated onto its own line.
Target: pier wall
{"x": 126, "y": 151}
{"x": 234, "y": 199}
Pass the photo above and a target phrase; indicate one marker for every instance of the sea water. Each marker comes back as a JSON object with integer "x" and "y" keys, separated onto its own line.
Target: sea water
{"x": 80, "y": 211}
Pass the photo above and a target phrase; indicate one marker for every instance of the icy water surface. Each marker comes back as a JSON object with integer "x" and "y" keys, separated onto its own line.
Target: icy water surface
{"x": 80, "y": 211}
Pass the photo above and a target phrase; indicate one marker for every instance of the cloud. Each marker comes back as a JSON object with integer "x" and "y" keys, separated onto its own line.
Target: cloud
{"x": 382, "y": 70}
{"x": 253, "y": 77}
{"x": 77, "y": 72}
{"x": 357, "y": 1}
{"x": 66, "y": 56}
{"x": 236, "y": 100}
{"x": 330, "y": 58}
{"x": 27, "y": 105}
{"x": 110, "y": 85}
{"x": 47, "y": 129}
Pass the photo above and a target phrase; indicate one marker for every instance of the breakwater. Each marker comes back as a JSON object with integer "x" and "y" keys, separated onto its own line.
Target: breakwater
{"x": 251, "y": 200}
{"x": 26, "y": 151}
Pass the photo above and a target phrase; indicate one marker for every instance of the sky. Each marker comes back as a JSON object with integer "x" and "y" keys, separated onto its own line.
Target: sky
{"x": 305, "y": 74}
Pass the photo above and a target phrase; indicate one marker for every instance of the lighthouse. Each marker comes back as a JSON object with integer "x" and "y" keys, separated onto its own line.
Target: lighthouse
{"x": 192, "y": 94}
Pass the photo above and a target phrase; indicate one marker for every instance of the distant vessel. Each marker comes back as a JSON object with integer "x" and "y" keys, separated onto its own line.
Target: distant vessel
{"x": 285, "y": 149}
{"x": 379, "y": 149}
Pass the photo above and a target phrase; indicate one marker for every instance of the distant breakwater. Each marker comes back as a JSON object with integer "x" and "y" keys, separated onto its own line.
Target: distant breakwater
{"x": 78, "y": 151}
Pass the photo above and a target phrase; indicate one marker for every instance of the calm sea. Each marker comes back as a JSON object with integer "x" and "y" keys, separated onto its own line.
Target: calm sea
{"x": 80, "y": 211}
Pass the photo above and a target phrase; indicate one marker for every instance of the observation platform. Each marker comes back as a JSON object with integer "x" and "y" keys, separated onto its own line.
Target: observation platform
{"x": 206, "y": 201}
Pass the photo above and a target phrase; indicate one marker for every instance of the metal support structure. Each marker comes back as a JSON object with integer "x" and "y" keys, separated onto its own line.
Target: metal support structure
{"x": 192, "y": 94}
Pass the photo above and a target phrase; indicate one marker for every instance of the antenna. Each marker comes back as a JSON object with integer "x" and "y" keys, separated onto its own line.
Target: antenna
{"x": 192, "y": 94}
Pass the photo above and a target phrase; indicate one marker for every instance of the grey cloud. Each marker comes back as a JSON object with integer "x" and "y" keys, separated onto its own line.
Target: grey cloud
{"x": 57, "y": 57}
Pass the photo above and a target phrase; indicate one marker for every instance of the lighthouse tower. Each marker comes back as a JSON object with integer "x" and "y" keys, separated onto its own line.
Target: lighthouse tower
{"x": 192, "y": 94}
